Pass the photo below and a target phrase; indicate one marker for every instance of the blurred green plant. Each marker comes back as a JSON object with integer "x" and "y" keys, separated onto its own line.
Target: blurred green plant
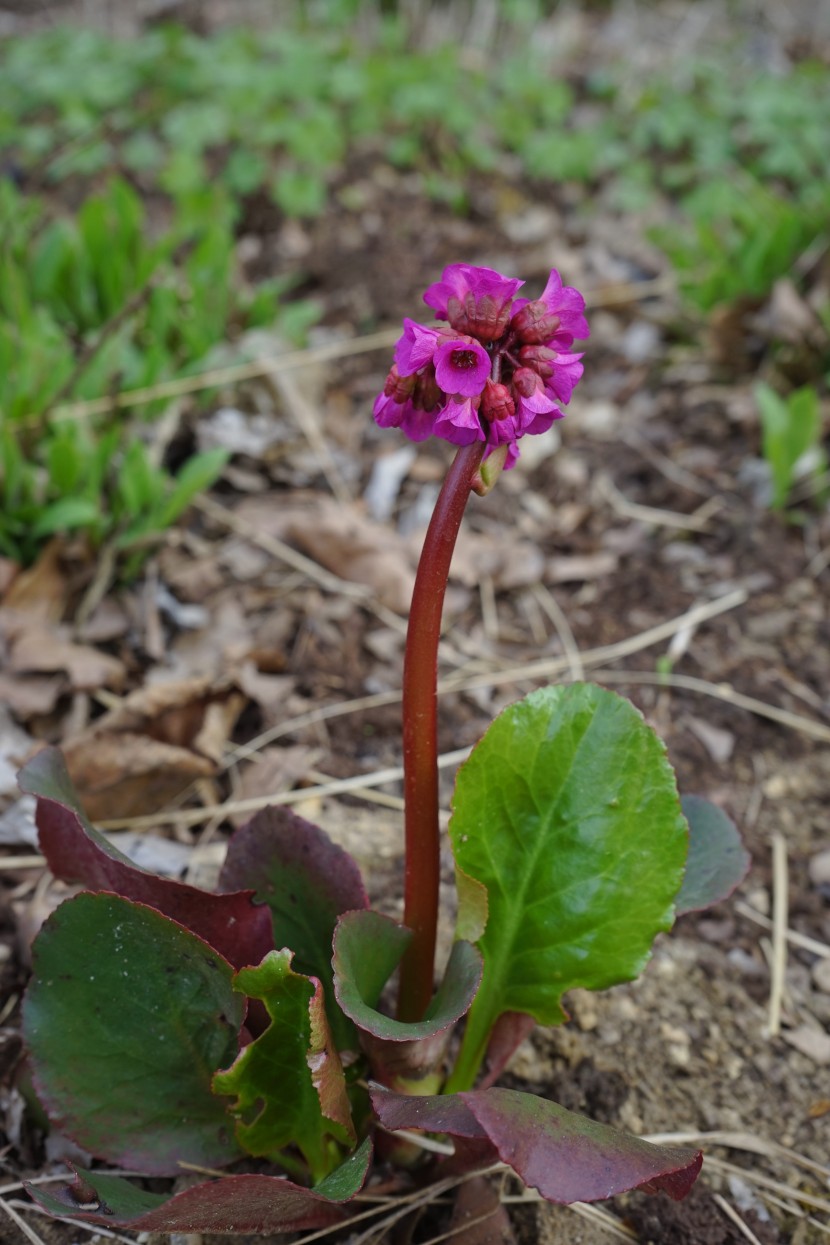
{"x": 737, "y": 237}
{"x": 90, "y": 304}
{"x": 95, "y": 300}
{"x": 790, "y": 438}
{"x": 279, "y": 110}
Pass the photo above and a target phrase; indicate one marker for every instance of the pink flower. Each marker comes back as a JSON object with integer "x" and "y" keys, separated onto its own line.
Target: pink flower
{"x": 416, "y": 348}
{"x": 459, "y": 423}
{"x": 499, "y": 371}
{"x": 565, "y": 376}
{"x": 476, "y": 301}
{"x": 462, "y": 366}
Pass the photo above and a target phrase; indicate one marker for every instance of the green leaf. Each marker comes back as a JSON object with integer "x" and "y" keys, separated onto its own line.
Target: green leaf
{"x": 568, "y": 813}
{"x": 288, "y": 1083}
{"x": 198, "y": 473}
{"x": 717, "y": 860}
{"x": 368, "y": 947}
{"x": 127, "y": 1018}
{"x": 66, "y": 515}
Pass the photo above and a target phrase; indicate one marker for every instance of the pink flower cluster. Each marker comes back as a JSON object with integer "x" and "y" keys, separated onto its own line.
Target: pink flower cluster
{"x": 498, "y": 372}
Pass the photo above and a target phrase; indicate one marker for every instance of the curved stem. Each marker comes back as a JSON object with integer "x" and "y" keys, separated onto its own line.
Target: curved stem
{"x": 420, "y": 734}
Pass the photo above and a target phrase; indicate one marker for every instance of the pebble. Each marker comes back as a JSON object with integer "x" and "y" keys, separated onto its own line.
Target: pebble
{"x": 819, "y": 868}
{"x": 821, "y": 976}
{"x": 814, "y": 1043}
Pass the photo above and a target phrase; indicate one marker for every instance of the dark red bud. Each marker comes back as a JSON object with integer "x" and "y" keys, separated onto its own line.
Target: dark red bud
{"x": 534, "y": 324}
{"x": 497, "y": 402}
{"x": 483, "y": 318}
{"x": 398, "y": 387}
{"x": 540, "y": 358}
{"x": 526, "y": 382}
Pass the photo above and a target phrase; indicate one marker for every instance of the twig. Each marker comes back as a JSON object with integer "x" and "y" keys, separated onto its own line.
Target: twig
{"x": 774, "y": 1186}
{"x": 548, "y": 666}
{"x": 548, "y": 602}
{"x": 337, "y": 786}
{"x": 793, "y": 936}
{"x": 10, "y": 864}
{"x": 285, "y": 387}
{"x": 732, "y": 1214}
{"x": 720, "y": 691}
{"x": 20, "y": 1222}
{"x": 748, "y": 1142}
{"x": 778, "y": 967}
{"x": 655, "y": 517}
{"x": 292, "y": 557}
{"x": 95, "y": 1229}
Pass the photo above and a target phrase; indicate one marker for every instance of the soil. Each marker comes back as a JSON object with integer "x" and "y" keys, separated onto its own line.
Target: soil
{"x": 646, "y": 502}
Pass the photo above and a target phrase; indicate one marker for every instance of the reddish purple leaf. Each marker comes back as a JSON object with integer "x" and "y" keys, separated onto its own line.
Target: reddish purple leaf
{"x": 570, "y": 1158}
{"x": 248, "y": 1203}
{"x": 76, "y": 852}
{"x": 307, "y": 882}
{"x": 566, "y": 1157}
{"x": 506, "y": 1036}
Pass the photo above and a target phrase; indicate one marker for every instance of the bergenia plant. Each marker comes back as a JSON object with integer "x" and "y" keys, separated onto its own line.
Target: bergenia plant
{"x": 259, "y": 1029}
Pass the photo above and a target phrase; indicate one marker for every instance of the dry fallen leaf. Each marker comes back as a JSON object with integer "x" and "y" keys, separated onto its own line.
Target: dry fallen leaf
{"x": 47, "y": 650}
{"x": 41, "y": 591}
{"x": 273, "y": 770}
{"x": 31, "y": 696}
{"x": 345, "y": 542}
{"x": 508, "y": 562}
{"x": 127, "y": 775}
{"x": 152, "y": 746}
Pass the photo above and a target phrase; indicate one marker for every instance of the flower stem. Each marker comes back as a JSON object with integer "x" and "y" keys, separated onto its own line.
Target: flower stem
{"x": 420, "y": 734}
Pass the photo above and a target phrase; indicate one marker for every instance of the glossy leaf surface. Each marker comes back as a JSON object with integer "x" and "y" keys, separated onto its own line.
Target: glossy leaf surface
{"x": 565, "y": 1156}
{"x": 247, "y": 1203}
{"x": 306, "y": 881}
{"x": 718, "y": 861}
{"x": 76, "y": 852}
{"x": 288, "y": 1083}
{"x": 367, "y": 949}
{"x": 567, "y": 811}
{"x": 127, "y": 1018}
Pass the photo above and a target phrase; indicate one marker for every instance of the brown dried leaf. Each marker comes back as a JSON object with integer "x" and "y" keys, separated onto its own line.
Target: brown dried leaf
{"x": 46, "y": 650}
{"x": 274, "y": 769}
{"x": 126, "y": 775}
{"x": 345, "y": 542}
{"x": 41, "y": 591}
{"x": 509, "y": 563}
{"x": 219, "y": 720}
{"x": 270, "y": 691}
{"x": 31, "y": 696}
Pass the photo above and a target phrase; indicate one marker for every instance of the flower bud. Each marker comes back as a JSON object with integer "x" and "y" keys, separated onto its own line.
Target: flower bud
{"x": 398, "y": 387}
{"x": 540, "y": 358}
{"x": 484, "y": 318}
{"x": 534, "y": 324}
{"x": 526, "y": 382}
{"x": 497, "y": 402}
